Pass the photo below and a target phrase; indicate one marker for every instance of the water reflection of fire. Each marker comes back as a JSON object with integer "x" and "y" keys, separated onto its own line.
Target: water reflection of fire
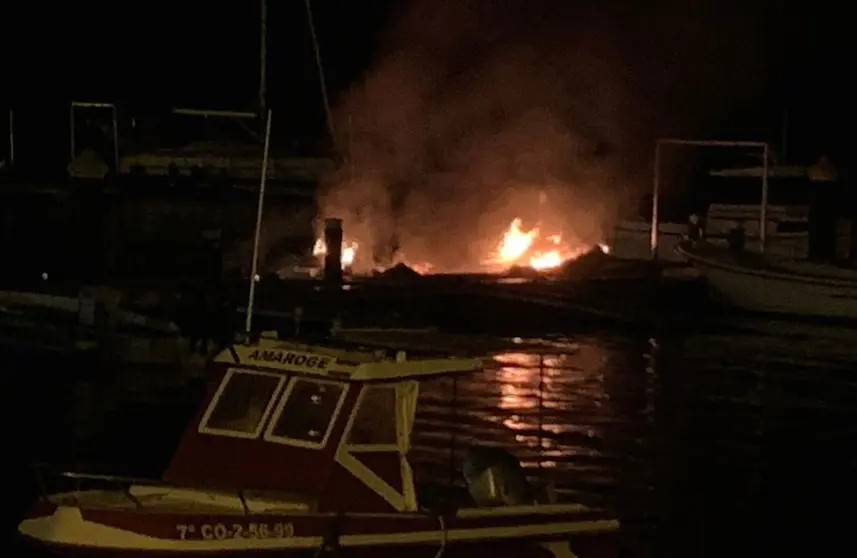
{"x": 528, "y": 247}
{"x": 551, "y": 385}
{"x": 521, "y": 390}
{"x": 349, "y": 251}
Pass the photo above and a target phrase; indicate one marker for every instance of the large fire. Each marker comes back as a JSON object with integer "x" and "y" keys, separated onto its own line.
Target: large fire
{"x": 517, "y": 247}
{"x": 529, "y": 248}
{"x": 349, "y": 251}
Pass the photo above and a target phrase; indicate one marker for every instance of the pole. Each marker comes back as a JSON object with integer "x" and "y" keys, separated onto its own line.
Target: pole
{"x": 656, "y": 195}
{"x": 115, "y": 140}
{"x": 251, "y": 295}
{"x": 263, "y": 55}
{"x": 763, "y": 211}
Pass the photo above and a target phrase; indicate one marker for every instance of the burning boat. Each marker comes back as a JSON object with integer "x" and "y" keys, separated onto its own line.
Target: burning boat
{"x": 519, "y": 249}
{"x": 303, "y": 451}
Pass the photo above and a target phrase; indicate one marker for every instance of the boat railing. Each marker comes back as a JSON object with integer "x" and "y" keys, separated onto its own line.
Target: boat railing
{"x": 73, "y": 485}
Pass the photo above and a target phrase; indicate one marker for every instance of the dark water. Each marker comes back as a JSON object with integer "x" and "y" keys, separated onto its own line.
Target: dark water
{"x": 706, "y": 445}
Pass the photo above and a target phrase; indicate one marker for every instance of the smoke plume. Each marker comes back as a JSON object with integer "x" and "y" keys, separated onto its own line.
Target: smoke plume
{"x": 477, "y": 112}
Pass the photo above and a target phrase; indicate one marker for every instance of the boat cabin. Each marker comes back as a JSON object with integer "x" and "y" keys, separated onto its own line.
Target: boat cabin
{"x": 803, "y": 219}
{"x": 323, "y": 429}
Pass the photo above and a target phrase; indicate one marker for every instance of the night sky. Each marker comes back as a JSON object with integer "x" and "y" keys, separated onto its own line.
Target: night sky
{"x": 190, "y": 52}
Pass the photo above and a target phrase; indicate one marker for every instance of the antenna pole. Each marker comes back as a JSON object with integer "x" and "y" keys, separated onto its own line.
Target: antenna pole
{"x": 251, "y": 295}
{"x": 263, "y": 55}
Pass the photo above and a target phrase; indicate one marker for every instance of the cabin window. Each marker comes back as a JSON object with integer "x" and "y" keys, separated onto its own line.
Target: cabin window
{"x": 375, "y": 423}
{"x": 241, "y": 403}
{"x": 306, "y": 413}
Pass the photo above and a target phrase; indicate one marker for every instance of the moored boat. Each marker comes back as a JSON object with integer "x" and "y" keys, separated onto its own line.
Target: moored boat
{"x": 760, "y": 283}
{"x": 303, "y": 451}
{"x": 792, "y": 259}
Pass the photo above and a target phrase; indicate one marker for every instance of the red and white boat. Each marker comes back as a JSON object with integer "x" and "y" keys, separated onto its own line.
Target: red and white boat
{"x": 303, "y": 451}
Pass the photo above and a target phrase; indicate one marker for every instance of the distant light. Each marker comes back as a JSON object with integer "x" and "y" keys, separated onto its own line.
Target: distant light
{"x": 44, "y": 276}
{"x": 257, "y": 278}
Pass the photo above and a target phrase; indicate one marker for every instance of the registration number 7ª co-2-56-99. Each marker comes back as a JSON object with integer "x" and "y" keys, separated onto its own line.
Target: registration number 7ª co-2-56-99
{"x": 221, "y": 531}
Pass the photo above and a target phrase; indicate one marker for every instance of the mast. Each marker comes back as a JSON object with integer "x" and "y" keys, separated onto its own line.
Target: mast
{"x": 263, "y": 55}
{"x": 321, "y": 79}
{"x": 251, "y": 295}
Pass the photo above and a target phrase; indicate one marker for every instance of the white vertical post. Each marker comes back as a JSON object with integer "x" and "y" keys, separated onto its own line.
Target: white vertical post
{"x": 656, "y": 196}
{"x": 256, "y": 239}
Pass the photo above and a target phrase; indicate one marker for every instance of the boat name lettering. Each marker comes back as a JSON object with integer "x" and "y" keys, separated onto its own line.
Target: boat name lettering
{"x": 223, "y": 531}
{"x": 287, "y": 357}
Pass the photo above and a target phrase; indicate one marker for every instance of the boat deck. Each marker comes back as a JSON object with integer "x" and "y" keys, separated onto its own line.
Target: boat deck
{"x": 238, "y": 161}
{"x": 180, "y": 500}
{"x": 165, "y": 499}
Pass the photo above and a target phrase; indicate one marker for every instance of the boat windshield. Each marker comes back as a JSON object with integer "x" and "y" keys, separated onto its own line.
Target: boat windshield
{"x": 241, "y": 403}
{"x": 301, "y": 410}
{"x": 306, "y": 413}
{"x": 375, "y": 422}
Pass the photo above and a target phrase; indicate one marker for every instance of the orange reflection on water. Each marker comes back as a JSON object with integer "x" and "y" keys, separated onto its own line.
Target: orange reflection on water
{"x": 524, "y": 380}
{"x": 515, "y": 377}
{"x": 539, "y": 394}
{"x": 523, "y": 377}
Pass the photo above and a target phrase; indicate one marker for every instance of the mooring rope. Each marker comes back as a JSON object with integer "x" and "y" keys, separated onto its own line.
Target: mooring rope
{"x": 444, "y": 536}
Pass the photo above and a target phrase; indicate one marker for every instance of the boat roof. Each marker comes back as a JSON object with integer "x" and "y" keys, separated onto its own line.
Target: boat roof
{"x": 822, "y": 171}
{"x": 339, "y": 362}
{"x": 756, "y": 172}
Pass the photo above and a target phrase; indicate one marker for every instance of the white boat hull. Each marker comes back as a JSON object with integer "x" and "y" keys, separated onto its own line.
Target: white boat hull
{"x": 773, "y": 291}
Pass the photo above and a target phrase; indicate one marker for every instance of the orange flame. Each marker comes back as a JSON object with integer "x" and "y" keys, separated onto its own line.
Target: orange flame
{"x": 527, "y": 247}
{"x": 349, "y": 251}
{"x": 516, "y": 242}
